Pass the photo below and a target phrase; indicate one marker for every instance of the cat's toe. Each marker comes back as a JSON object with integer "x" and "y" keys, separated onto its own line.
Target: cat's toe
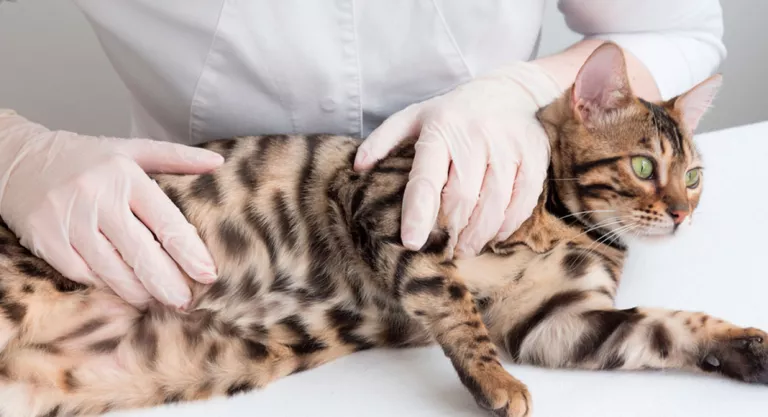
{"x": 518, "y": 404}
{"x": 742, "y": 355}
{"x": 500, "y": 393}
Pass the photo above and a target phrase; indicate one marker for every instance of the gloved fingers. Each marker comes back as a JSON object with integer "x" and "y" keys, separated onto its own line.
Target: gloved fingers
{"x": 106, "y": 262}
{"x": 421, "y": 200}
{"x": 461, "y": 195}
{"x": 140, "y": 251}
{"x": 177, "y": 236}
{"x": 529, "y": 181}
{"x": 525, "y": 195}
{"x": 165, "y": 157}
{"x": 401, "y": 125}
{"x": 488, "y": 216}
{"x": 57, "y": 250}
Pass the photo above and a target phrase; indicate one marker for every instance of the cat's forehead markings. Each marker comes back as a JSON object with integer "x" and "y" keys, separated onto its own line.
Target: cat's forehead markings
{"x": 648, "y": 145}
{"x": 666, "y": 126}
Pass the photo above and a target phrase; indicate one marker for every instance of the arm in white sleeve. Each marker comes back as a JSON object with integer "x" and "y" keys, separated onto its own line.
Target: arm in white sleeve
{"x": 679, "y": 41}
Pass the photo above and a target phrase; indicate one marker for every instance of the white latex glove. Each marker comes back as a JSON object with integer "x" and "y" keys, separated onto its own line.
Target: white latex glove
{"x": 86, "y": 206}
{"x": 482, "y": 147}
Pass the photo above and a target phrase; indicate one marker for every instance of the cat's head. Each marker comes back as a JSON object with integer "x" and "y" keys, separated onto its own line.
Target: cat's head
{"x": 621, "y": 163}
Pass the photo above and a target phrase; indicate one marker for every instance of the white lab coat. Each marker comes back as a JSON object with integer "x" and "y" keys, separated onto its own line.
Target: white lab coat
{"x": 205, "y": 69}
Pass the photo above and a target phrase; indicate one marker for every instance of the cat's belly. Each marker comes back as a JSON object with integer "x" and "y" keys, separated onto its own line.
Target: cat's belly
{"x": 255, "y": 303}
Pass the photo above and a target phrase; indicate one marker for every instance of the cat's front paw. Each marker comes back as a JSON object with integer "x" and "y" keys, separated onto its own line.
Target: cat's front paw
{"x": 740, "y": 354}
{"x": 499, "y": 392}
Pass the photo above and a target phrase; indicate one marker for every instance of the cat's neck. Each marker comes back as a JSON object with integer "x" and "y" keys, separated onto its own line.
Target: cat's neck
{"x": 556, "y": 207}
{"x": 551, "y": 225}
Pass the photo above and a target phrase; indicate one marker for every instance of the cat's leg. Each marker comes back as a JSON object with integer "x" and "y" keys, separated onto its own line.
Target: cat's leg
{"x": 432, "y": 293}
{"x": 425, "y": 283}
{"x": 577, "y": 330}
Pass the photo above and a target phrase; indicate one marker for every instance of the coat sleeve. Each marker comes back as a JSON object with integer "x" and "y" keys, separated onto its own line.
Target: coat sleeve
{"x": 679, "y": 41}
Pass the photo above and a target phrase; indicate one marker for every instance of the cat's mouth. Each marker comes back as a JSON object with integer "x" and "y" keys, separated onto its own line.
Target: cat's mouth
{"x": 646, "y": 225}
{"x": 636, "y": 224}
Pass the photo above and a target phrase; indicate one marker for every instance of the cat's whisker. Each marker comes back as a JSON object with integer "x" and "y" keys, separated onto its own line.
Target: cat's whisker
{"x": 611, "y": 236}
{"x": 602, "y": 223}
{"x": 635, "y": 233}
{"x": 586, "y": 212}
{"x": 597, "y": 226}
{"x": 578, "y": 215}
{"x": 590, "y": 249}
{"x": 624, "y": 232}
{"x": 607, "y": 222}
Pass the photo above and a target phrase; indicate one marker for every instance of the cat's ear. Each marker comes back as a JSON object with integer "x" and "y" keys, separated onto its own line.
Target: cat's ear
{"x": 602, "y": 83}
{"x": 692, "y": 104}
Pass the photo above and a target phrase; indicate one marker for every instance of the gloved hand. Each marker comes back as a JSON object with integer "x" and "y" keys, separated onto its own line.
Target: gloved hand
{"x": 482, "y": 147}
{"x": 86, "y": 206}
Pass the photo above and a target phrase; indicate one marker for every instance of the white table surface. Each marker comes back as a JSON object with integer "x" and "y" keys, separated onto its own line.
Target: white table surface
{"x": 716, "y": 265}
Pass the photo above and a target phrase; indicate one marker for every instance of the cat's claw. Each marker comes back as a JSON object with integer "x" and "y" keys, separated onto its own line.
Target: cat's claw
{"x": 742, "y": 356}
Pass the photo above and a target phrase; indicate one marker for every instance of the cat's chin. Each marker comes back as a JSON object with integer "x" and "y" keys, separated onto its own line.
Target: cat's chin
{"x": 660, "y": 237}
{"x": 647, "y": 238}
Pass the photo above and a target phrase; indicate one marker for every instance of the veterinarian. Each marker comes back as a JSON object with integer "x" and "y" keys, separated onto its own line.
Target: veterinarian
{"x": 459, "y": 74}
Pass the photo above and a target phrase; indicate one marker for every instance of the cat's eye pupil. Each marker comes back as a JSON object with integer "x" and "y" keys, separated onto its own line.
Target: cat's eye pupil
{"x": 643, "y": 167}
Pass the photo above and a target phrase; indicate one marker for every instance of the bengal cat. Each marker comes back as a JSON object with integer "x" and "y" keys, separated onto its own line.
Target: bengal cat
{"x": 312, "y": 268}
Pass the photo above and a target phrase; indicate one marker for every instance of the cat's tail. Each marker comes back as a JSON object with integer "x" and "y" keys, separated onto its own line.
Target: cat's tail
{"x": 104, "y": 355}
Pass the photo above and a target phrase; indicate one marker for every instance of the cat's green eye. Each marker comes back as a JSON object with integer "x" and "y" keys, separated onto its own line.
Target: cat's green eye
{"x": 692, "y": 178}
{"x": 642, "y": 166}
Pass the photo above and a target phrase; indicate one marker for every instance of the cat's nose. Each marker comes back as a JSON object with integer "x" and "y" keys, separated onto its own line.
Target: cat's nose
{"x": 678, "y": 215}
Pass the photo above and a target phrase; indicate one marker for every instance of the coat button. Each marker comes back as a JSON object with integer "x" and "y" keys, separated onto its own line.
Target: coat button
{"x": 328, "y": 104}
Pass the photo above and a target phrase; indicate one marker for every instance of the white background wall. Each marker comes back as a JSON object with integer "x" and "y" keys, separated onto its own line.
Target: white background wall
{"x": 52, "y": 68}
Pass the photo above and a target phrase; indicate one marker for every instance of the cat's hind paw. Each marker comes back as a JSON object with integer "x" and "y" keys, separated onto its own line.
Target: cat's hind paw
{"x": 741, "y": 354}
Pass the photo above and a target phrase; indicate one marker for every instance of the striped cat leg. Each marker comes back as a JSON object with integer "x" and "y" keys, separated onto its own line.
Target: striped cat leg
{"x": 574, "y": 329}
{"x": 434, "y": 295}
